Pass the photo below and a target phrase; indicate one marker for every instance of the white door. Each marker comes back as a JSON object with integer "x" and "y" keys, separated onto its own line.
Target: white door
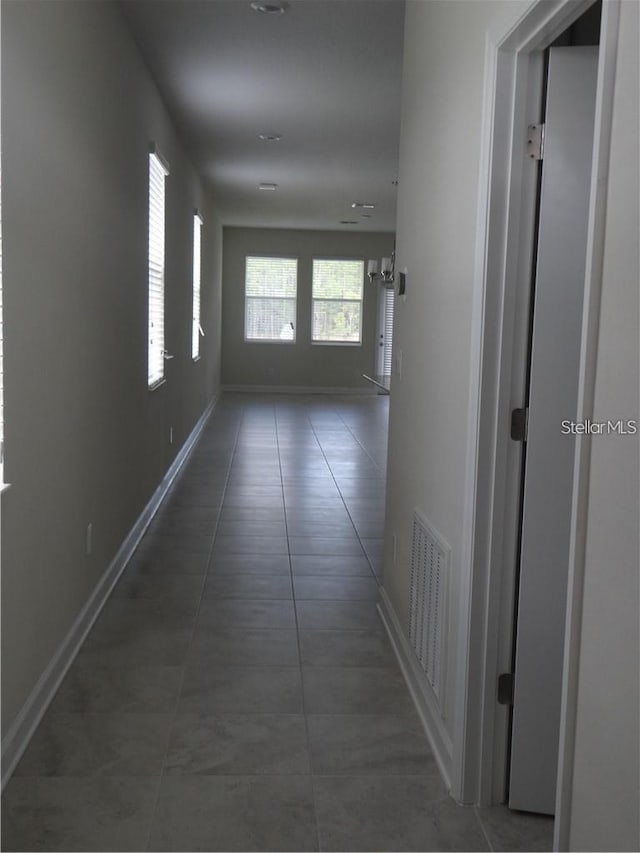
{"x": 548, "y": 479}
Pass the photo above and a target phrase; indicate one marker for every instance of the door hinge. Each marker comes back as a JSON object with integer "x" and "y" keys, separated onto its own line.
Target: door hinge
{"x": 505, "y": 688}
{"x": 519, "y": 424}
{"x": 535, "y": 141}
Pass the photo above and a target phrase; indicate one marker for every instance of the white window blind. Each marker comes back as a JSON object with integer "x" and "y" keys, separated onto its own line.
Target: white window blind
{"x": 1, "y": 354}
{"x": 337, "y": 301}
{"x": 157, "y": 174}
{"x": 388, "y": 332}
{"x": 271, "y": 286}
{"x": 196, "y": 329}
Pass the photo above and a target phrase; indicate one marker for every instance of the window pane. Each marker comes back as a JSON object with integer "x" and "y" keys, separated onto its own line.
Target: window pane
{"x": 337, "y": 301}
{"x": 157, "y": 173}
{"x": 270, "y": 299}
{"x": 270, "y": 319}
{"x": 197, "y": 263}
{"x": 336, "y": 321}
{"x": 388, "y": 332}
{"x": 271, "y": 277}
{"x": 334, "y": 279}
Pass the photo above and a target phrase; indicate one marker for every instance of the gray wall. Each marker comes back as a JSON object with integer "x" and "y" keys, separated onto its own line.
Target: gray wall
{"x": 85, "y": 439}
{"x": 436, "y": 233}
{"x": 301, "y": 364}
{"x": 439, "y": 175}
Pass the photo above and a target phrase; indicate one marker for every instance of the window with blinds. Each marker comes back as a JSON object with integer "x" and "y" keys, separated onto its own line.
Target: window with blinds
{"x": 1, "y": 356}
{"x": 384, "y": 358}
{"x": 157, "y": 174}
{"x": 270, "y": 293}
{"x": 387, "y": 354}
{"x": 196, "y": 328}
{"x": 337, "y": 292}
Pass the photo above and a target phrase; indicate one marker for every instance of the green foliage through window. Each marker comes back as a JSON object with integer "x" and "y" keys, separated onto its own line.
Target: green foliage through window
{"x": 337, "y": 301}
{"x": 270, "y": 299}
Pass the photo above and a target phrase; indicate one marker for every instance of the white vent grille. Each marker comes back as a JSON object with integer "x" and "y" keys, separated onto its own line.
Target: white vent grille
{"x": 427, "y": 602}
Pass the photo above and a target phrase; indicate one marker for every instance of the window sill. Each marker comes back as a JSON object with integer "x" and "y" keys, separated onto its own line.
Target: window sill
{"x": 157, "y": 384}
{"x": 336, "y": 343}
{"x": 269, "y": 341}
{"x": 197, "y": 358}
{"x": 4, "y": 487}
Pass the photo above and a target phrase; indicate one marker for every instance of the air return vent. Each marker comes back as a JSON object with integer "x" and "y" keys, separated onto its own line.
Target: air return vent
{"x": 427, "y": 602}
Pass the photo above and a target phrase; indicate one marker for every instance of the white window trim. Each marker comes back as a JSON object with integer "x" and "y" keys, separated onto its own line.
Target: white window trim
{"x": 156, "y": 353}
{"x": 196, "y": 305}
{"x": 359, "y": 342}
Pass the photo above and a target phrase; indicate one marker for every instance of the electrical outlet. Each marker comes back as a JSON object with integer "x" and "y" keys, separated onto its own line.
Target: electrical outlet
{"x": 170, "y": 435}
{"x": 89, "y": 539}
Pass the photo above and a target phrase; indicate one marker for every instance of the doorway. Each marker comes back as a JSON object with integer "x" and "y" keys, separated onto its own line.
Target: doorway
{"x": 505, "y": 254}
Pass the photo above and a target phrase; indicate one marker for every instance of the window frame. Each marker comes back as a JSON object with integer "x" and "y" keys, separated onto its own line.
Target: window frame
{"x": 294, "y": 299}
{"x": 196, "y": 289}
{"x": 157, "y": 204}
{"x": 334, "y": 343}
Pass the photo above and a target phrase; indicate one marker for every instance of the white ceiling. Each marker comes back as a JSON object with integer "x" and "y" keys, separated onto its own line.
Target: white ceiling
{"x": 326, "y": 74}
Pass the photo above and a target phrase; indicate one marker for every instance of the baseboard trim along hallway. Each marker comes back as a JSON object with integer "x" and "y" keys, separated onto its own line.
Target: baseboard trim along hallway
{"x": 426, "y": 705}
{"x": 19, "y": 734}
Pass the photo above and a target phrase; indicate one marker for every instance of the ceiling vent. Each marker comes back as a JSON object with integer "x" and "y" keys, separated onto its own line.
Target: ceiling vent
{"x": 270, "y": 8}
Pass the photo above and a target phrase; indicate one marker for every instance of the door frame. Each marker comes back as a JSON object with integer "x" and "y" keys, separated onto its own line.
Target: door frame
{"x": 503, "y": 256}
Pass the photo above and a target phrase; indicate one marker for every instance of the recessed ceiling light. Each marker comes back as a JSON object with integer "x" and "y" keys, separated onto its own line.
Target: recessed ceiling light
{"x": 348, "y": 222}
{"x": 363, "y": 205}
{"x": 269, "y": 8}
{"x": 270, "y": 137}
{"x": 268, "y": 187}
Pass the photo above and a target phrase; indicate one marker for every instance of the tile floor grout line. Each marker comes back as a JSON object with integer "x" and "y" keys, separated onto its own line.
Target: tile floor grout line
{"x": 375, "y": 577}
{"x": 174, "y": 716}
{"x": 360, "y": 443}
{"x": 297, "y": 624}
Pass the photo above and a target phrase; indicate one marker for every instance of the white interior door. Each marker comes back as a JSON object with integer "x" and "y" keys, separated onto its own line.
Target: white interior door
{"x": 548, "y": 483}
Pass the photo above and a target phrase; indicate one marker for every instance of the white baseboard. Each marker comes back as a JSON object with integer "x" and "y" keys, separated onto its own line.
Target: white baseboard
{"x": 426, "y": 704}
{"x": 21, "y": 730}
{"x": 298, "y": 389}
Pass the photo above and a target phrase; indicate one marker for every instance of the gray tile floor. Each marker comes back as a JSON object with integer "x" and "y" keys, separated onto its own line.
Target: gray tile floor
{"x": 238, "y": 691}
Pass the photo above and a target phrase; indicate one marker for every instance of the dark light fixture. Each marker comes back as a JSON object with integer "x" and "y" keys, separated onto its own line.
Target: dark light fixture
{"x": 387, "y": 274}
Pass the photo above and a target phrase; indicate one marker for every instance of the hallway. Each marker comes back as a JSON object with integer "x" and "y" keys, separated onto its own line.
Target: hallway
{"x": 238, "y": 691}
